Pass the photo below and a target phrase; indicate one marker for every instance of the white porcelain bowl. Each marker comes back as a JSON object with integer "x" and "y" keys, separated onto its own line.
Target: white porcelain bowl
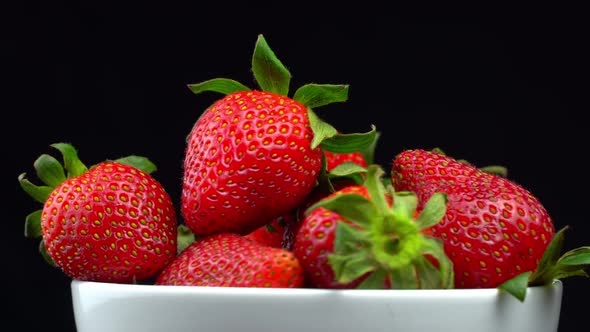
{"x": 104, "y": 307}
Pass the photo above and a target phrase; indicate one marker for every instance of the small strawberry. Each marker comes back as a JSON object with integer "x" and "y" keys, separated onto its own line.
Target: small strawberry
{"x": 493, "y": 230}
{"x": 112, "y": 223}
{"x": 255, "y": 155}
{"x": 361, "y": 237}
{"x": 232, "y": 260}
{"x": 271, "y": 234}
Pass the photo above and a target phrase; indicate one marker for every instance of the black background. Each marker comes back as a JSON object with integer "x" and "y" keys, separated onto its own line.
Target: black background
{"x": 491, "y": 86}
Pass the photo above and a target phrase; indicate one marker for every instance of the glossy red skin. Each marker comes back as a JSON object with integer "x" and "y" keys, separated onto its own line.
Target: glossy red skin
{"x": 493, "y": 230}
{"x": 248, "y": 160}
{"x": 113, "y": 223}
{"x": 315, "y": 242}
{"x": 232, "y": 260}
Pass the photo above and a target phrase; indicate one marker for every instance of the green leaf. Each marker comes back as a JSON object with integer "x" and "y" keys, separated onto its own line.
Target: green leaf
{"x": 321, "y": 130}
{"x": 348, "y": 238}
{"x": 348, "y": 269}
{"x": 566, "y": 274}
{"x": 73, "y": 165}
{"x": 323, "y": 180}
{"x": 141, "y": 163}
{"x": 578, "y": 256}
{"x": 347, "y": 143}
{"x": 222, "y": 85}
{"x": 38, "y": 193}
{"x": 184, "y": 239}
{"x": 433, "y": 211}
{"x": 33, "y": 225}
{"x": 375, "y": 187}
{"x": 439, "y": 151}
{"x": 269, "y": 72}
{"x": 375, "y": 280}
{"x": 544, "y": 273}
{"x": 369, "y": 152}
{"x": 434, "y": 247}
{"x": 495, "y": 170}
{"x": 45, "y": 254}
{"x": 574, "y": 263}
{"x": 316, "y": 95}
{"x": 404, "y": 278}
{"x": 517, "y": 286}
{"x": 404, "y": 204}
{"x": 49, "y": 170}
{"x": 428, "y": 274}
{"x": 353, "y": 207}
{"x": 350, "y": 258}
{"x": 347, "y": 168}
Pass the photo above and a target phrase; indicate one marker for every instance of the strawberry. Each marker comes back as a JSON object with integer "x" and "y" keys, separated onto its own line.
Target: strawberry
{"x": 232, "y": 260}
{"x": 271, "y": 234}
{"x": 245, "y": 150}
{"x": 113, "y": 222}
{"x": 493, "y": 231}
{"x": 255, "y": 155}
{"x": 360, "y": 237}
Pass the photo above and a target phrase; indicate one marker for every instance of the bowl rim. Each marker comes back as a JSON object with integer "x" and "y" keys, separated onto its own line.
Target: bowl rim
{"x": 177, "y": 289}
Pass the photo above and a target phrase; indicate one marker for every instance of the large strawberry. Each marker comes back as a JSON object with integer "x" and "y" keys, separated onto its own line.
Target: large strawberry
{"x": 493, "y": 230}
{"x": 357, "y": 237}
{"x": 255, "y": 155}
{"x": 113, "y": 222}
{"x": 232, "y": 260}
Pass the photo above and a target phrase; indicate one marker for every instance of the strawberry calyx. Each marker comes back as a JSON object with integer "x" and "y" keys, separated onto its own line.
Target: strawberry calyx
{"x": 185, "y": 237}
{"x": 386, "y": 241}
{"x": 52, "y": 174}
{"x": 552, "y": 266}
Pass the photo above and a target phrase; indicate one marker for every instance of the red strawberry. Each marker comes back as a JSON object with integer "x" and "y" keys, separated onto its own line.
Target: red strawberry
{"x": 493, "y": 230}
{"x": 357, "y": 238}
{"x": 112, "y": 223}
{"x": 255, "y": 155}
{"x": 231, "y": 260}
{"x": 244, "y": 152}
{"x": 315, "y": 241}
{"x": 271, "y": 234}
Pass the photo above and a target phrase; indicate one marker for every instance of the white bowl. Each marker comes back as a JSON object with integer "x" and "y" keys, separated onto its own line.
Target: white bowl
{"x": 103, "y": 307}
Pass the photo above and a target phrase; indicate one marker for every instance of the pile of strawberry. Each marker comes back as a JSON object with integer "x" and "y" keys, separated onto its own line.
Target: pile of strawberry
{"x": 273, "y": 196}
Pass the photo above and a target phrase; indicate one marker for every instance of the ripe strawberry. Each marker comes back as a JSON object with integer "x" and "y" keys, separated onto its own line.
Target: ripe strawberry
{"x": 255, "y": 155}
{"x": 361, "y": 237}
{"x": 112, "y": 223}
{"x": 271, "y": 234}
{"x": 231, "y": 260}
{"x": 244, "y": 152}
{"x": 493, "y": 230}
